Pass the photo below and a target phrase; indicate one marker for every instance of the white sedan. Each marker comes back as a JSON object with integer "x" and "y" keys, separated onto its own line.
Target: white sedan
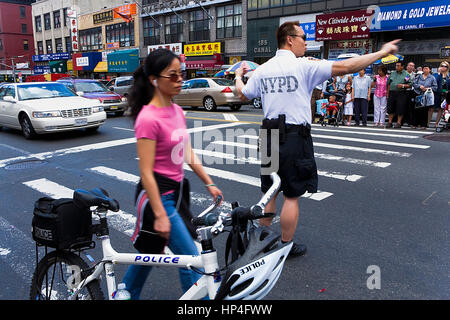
{"x": 44, "y": 107}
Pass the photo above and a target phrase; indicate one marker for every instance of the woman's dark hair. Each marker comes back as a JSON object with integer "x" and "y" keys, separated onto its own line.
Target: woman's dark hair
{"x": 142, "y": 90}
{"x": 383, "y": 68}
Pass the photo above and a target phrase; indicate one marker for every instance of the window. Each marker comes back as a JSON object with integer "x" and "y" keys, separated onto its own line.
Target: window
{"x": 124, "y": 83}
{"x": 122, "y": 33}
{"x": 229, "y": 21}
{"x": 38, "y": 23}
{"x": 65, "y": 17}
{"x": 144, "y": 2}
{"x": 47, "y": 23}
{"x": 49, "y": 46}
{"x": 174, "y": 29}
{"x": 151, "y": 31}
{"x": 253, "y": 4}
{"x": 91, "y": 39}
{"x": 24, "y": 28}
{"x": 68, "y": 42}
{"x": 1, "y": 44}
{"x": 198, "y": 25}
{"x": 59, "y": 45}
{"x": 40, "y": 47}
{"x": 263, "y": 4}
{"x": 56, "y": 19}
{"x": 22, "y": 12}
{"x": 195, "y": 84}
{"x": 25, "y": 45}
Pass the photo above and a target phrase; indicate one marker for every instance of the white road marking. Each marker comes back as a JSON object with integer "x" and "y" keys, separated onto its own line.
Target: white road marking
{"x": 389, "y": 143}
{"x": 230, "y": 117}
{"x": 381, "y": 134}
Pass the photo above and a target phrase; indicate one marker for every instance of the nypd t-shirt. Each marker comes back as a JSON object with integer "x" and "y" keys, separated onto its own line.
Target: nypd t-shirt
{"x": 285, "y": 84}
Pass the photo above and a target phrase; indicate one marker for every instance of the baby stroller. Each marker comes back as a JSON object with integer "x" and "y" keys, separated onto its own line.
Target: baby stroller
{"x": 323, "y": 118}
{"x": 444, "y": 122}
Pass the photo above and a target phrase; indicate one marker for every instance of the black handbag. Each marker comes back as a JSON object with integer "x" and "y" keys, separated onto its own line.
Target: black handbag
{"x": 61, "y": 224}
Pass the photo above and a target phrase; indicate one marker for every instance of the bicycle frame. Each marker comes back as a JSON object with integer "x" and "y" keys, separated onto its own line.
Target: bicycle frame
{"x": 206, "y": 285}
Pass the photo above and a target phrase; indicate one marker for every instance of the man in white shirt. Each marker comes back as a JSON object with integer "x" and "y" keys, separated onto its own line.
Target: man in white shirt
{"x": 285, "y": 84}
{"x": 361, "y": 92}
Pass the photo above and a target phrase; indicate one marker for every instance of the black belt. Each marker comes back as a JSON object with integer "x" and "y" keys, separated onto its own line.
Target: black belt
{"x": 301, "y": 129}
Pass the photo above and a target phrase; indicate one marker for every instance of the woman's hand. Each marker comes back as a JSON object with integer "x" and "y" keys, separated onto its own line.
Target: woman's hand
{"x": 215, "y": 192}
{"x": 162, "y": 226}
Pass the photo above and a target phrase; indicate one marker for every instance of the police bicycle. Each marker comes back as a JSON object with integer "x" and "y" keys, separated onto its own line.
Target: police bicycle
{"x": 254, "y": 268}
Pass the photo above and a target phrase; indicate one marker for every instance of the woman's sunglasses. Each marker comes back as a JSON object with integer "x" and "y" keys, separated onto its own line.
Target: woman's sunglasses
{"x": 173, "y": 77}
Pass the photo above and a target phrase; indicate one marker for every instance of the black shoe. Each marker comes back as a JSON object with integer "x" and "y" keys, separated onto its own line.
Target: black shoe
{"x": 297, "y": 250}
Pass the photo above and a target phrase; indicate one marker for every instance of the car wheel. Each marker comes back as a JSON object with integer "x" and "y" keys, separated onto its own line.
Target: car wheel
{"x": 209, "y": 104}
{"x": 119, "y": 113}
{"x": 27, "y": 128}
{"x": 235, "y": 107}
{"x": 92, "y": 129}
{"x": 257, "y": 103}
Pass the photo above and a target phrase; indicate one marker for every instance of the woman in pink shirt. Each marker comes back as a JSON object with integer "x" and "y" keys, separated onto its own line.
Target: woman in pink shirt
{"x": 162, "y": 146}
{"x": 380, "y": 96}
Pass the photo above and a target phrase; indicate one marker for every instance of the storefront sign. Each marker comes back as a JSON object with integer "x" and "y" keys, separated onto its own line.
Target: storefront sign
{"x": 41, "y": 69}
{"x": 103, "y": 17}
{"x": 51, "y": 56}
{"x": 128, "y": 10}
{"x": 418, "y": 15}
{"x": 445, "y": 53}
{"x": 74, "y": 33}
{"x": 202, "y": 49}
{"x": 123, "y": 61}
{"x": 86, "y": 61}
{"x": 176, "y": 48}
{"x": 343, "y": 25}
{"x": 83, "y": 61}
{"x": 360, "y": 47}
{"x": 234, "y": 60}
{"x": 22, "y": 65}
{"x": 310, "y": 30}
{"x": 113, "y": 45}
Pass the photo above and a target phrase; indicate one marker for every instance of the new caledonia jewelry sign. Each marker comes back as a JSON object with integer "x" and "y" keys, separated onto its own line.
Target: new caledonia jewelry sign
{"x": 418, "y": 15}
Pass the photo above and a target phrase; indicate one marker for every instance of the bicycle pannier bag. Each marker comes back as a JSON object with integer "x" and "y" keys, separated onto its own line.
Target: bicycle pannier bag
{"x": 61, "y": 224}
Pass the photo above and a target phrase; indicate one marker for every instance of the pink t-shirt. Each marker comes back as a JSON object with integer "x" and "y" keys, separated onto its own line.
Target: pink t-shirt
{"x": 380, "y": 90}
{"x": 167, "y": 126}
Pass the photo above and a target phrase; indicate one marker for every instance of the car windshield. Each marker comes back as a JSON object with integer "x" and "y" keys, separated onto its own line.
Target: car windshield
{"x": 224, "y": 82}
{"x": 91, "y": 87}
{"x": 44, "y": 91}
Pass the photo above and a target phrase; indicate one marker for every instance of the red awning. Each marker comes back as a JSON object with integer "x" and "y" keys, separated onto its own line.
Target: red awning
{"x": 203, "y": 65}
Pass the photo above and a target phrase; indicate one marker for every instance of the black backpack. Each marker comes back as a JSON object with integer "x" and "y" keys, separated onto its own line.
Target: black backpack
{"x": 61, "y": 224}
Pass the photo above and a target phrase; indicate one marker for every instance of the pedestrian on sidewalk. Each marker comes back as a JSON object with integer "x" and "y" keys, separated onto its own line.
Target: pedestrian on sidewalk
{"x": 398, "y": 82}
{"x": 162, "y": 195}
{"x": 361, "y": 93}
{"x": 380, "y": 96}
{"x": 348, "y": 104}
{"x": 409, "y": 114}
{"x": 443, "y": 85}
{"x": 285, "y": 83}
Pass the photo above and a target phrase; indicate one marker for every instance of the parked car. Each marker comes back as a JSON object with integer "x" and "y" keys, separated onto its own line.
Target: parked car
{"x": 209, "y": 93}
{"x": 94, "y": 89}
{"x": 121, "y": 85}
{"x": 44, "y": 107}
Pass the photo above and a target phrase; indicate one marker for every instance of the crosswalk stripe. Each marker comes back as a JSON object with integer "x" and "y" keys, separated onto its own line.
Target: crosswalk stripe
{"x": 324, "y": 145}
{"x": 372, "y": 163}
{"x": 121, "y": 221}
{"x": 389, "y": 143}
{"x": 252, "y": 160}
{"x": 242, "y": 178}
{"x": 369, "y": 133}
{"x": 374, "y": 129}
{"x": 229, "y": 116}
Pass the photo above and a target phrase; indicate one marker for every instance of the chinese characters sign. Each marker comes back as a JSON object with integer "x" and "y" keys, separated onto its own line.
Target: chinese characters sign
{"x": 103, "y": 17}
{"x": 176, "y": 48}
{"x": 202, "y": 49}
{"x": 343, "y": 25}
{"x": 360, "y": 47}
{"x": 128, "y": 10}
{"x": 74, "y": 33}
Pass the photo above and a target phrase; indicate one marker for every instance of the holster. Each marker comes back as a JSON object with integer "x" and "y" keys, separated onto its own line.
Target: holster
{"x": 278, "y": 123}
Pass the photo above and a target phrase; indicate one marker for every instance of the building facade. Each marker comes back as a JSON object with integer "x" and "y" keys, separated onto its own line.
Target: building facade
{"x": 16, "y": 39}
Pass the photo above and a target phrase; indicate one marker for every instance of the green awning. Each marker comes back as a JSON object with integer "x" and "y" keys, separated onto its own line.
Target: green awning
{"x": 123, "y": 61}
{"x": 58, "y": 66}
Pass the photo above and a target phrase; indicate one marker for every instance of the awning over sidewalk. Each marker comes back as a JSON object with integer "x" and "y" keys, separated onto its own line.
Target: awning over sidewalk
{"x": 203, "y": 65}
{"x": 102, "y": 66}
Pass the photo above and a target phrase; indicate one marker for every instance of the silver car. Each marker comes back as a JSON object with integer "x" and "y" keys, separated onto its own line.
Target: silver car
{"x": 44, "y": 107}
{"x": 121, "y": 85}
{"x": 209, "y": 93}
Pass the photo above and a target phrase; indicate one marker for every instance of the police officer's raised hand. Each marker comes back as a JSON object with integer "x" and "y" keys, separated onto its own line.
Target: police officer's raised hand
{"x": 390, "y": 47}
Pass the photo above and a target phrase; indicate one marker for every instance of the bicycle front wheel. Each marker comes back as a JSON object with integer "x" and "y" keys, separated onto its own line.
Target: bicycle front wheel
{"x": 57, "y": 275}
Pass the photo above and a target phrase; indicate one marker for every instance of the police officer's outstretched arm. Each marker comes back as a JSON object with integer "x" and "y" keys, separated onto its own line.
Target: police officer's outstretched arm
{"x": 355, "y": 64}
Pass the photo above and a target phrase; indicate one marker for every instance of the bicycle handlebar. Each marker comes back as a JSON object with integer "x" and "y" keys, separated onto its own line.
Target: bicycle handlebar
{"x": 207, "y": 218}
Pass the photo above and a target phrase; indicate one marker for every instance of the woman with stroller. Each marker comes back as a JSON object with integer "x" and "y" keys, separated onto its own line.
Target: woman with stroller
{"x": 443, "y": 85}
{"x": 380, "y": 96}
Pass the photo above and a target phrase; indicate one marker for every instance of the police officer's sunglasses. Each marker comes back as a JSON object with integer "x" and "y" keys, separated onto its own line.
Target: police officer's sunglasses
{"x": 303, "y": 36}
{"x": 173, "y": 77}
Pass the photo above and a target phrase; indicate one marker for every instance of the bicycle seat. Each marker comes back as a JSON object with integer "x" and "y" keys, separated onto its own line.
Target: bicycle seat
{"x": 95, "y": 197}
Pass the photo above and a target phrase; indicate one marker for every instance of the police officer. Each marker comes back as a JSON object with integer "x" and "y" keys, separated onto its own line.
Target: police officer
{"x": 285, "y": 84}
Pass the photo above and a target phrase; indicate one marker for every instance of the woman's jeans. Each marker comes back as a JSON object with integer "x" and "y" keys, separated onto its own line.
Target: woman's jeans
{"x": 180, "y": 242}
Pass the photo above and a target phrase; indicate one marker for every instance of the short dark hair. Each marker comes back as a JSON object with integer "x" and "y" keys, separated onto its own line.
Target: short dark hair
{"x": 383, "y": 68}
{"x": 284, "y": 30}
{"x": 426, "y": 66}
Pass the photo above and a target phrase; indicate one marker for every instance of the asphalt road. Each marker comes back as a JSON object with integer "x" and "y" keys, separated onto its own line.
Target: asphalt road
{"x": 383, "y": 204}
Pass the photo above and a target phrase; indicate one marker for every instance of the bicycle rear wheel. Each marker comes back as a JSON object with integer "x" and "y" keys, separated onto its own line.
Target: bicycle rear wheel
{"x": 56, "y": 276}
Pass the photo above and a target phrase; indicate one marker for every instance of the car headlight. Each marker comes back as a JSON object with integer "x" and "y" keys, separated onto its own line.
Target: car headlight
{"x": 124, "y": 99}
{"x": 97, "y": 109}
{"x": 46, "y": 114}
